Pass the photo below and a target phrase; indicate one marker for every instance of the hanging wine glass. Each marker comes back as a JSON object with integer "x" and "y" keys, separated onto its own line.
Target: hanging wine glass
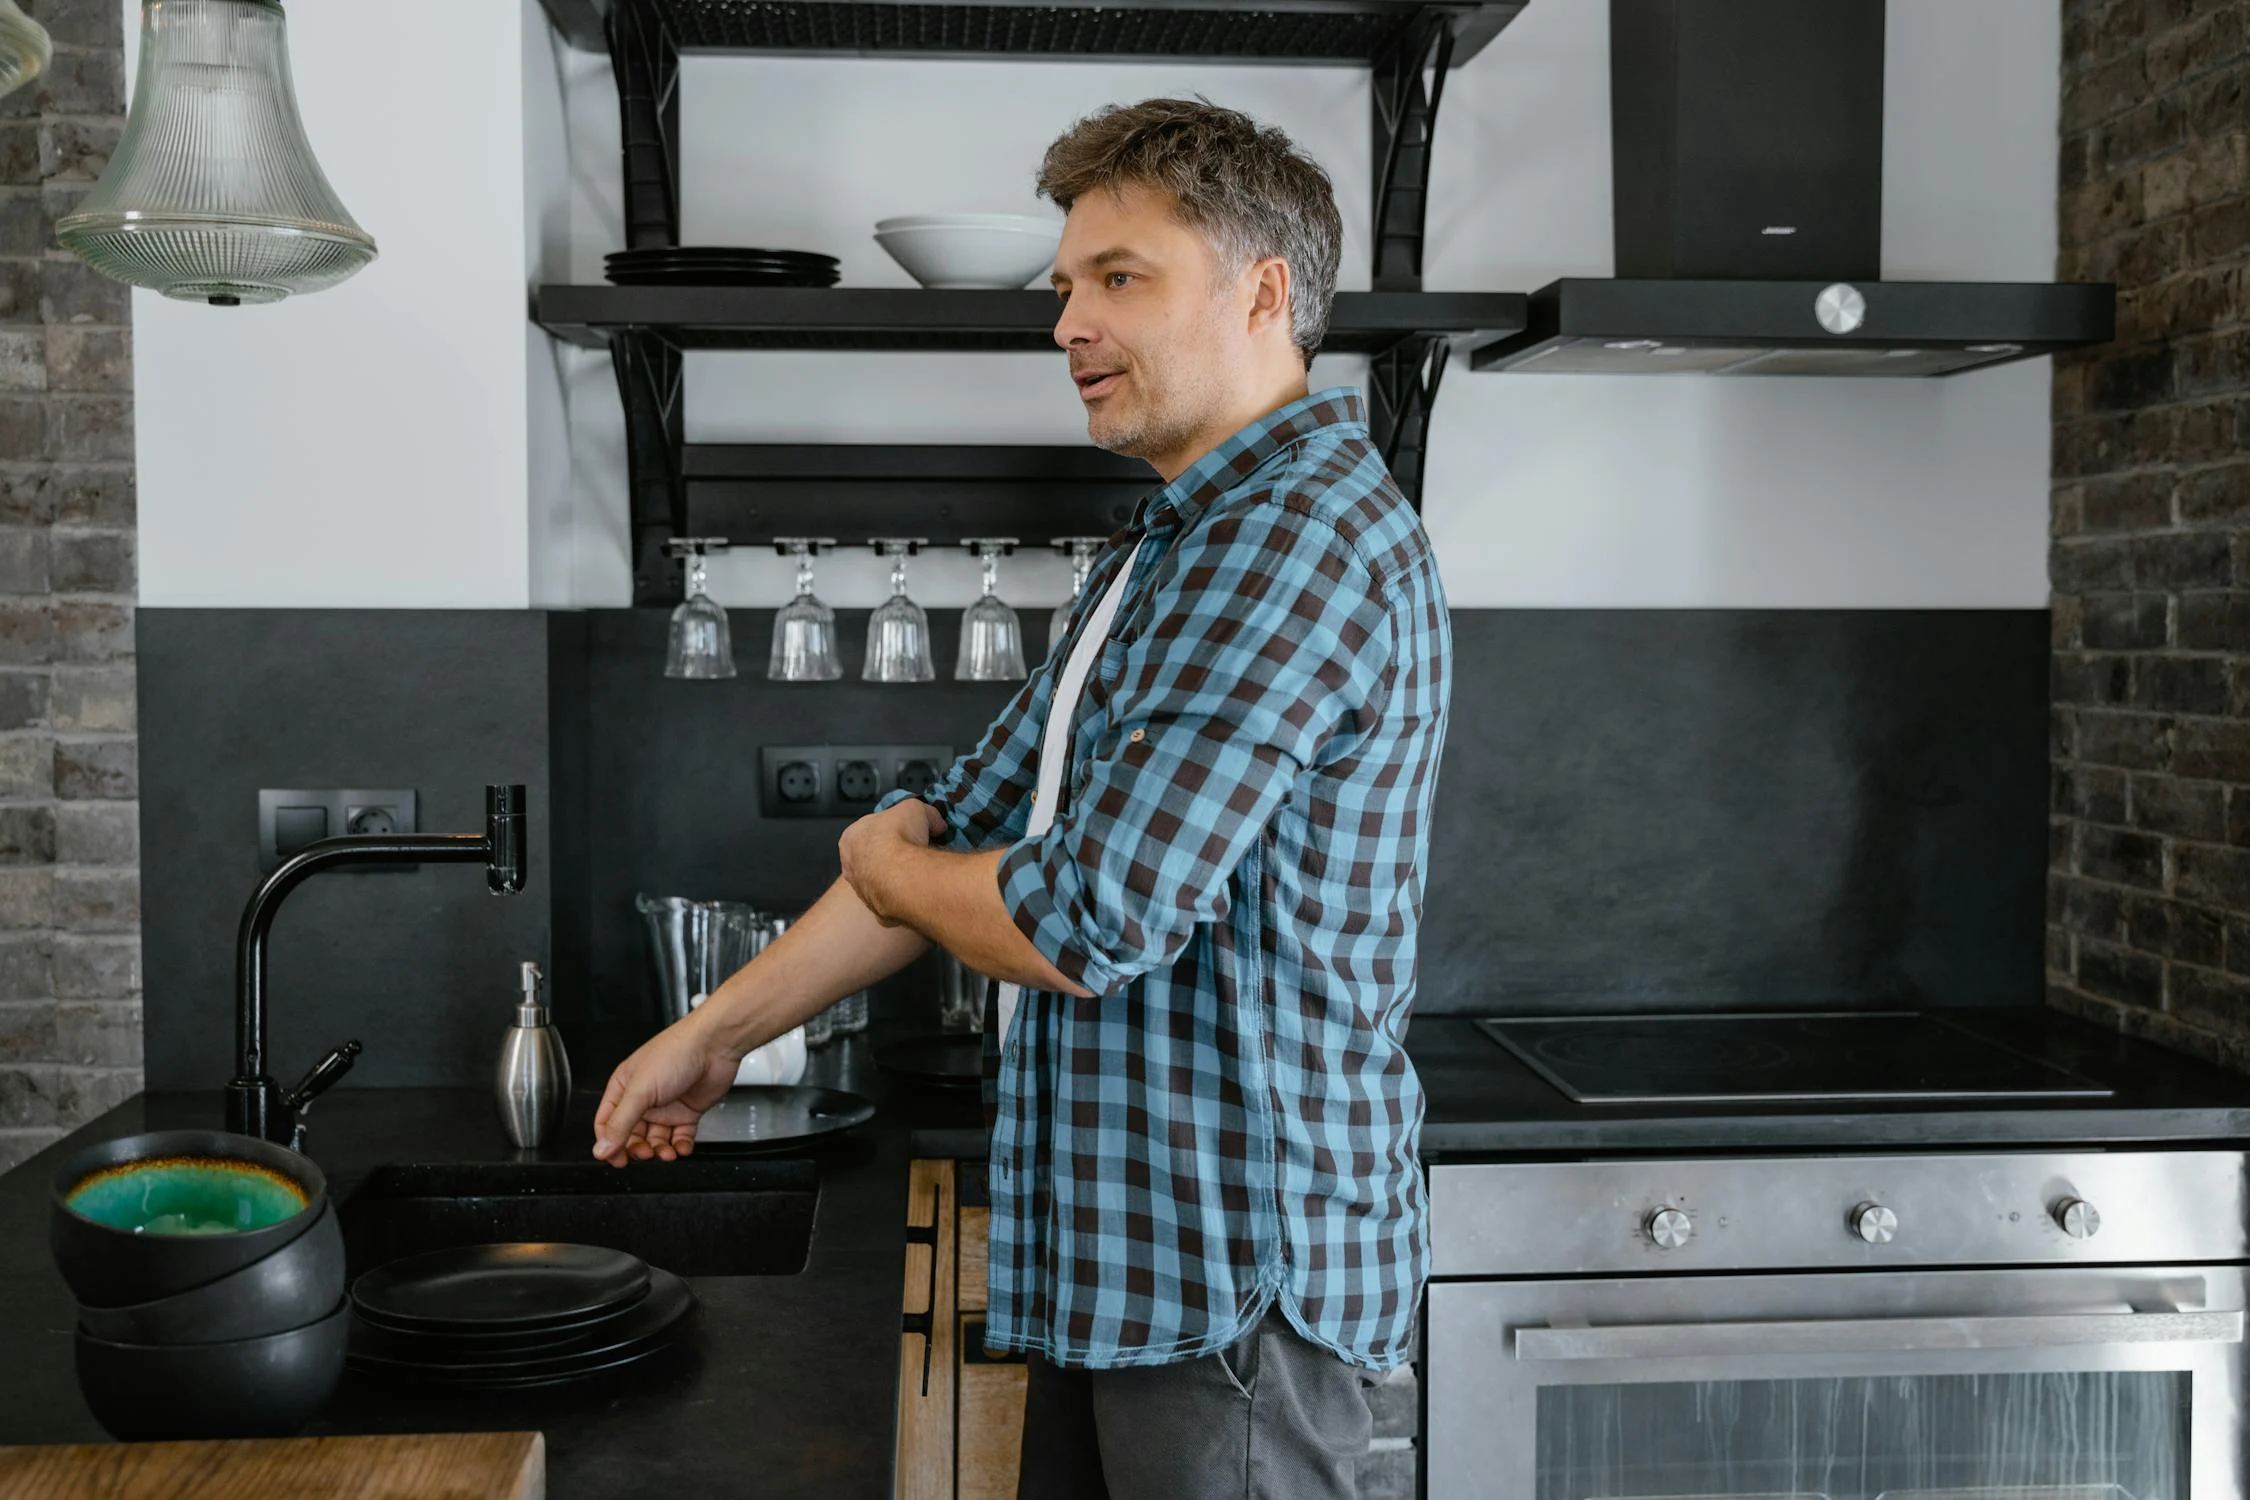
{"x": 991, "y": 635}
{"x": 804, "y": 629}
{"x": 1083, "y": 550}
{"x": 700, "y": 648}
{"x": 898, "y": 634}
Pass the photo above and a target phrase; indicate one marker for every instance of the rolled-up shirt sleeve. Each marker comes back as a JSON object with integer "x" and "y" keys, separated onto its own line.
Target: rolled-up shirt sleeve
{"x": 1267, "y": 652}
{"x": 985, "y": 796}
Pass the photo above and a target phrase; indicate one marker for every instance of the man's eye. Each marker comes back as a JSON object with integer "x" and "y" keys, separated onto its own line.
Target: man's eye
{"x": 1117, "y": 278}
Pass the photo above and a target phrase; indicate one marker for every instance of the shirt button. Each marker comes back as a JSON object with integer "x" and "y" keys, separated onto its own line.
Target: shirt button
{"x": 1138, "y": 735}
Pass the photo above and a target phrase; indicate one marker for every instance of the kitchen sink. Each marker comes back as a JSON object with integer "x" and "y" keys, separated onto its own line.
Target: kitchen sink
{"x": 693, "y": 1218}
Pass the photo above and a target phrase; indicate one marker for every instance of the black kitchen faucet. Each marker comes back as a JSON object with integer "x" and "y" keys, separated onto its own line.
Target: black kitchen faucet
{"x": 256, "y": 1105}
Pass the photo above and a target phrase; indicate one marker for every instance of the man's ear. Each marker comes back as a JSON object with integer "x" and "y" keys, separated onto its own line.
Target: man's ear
{"x": 1269, "y": 294}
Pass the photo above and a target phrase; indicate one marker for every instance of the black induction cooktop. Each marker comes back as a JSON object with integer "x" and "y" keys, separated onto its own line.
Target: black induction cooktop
{"x": 1776, "y": 1059}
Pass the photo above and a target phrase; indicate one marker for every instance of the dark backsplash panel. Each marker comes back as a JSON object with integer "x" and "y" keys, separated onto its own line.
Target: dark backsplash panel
{"x": 1725, "y": 809}
{"x": 418, "y": 964}
{"x": 1639, "y": 810}
{"x": 673, "y": 771}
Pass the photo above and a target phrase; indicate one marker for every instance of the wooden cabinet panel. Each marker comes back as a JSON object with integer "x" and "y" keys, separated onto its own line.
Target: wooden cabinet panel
{"x": 960, "y": 1434}
{"x": 990, "y": 1446}
{"x": 927, "y": 1355}
{"x": 976, "y": 1238}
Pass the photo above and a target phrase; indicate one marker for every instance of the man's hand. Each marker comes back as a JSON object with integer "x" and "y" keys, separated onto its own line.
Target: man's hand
{"x": 870, "y": 851}
{"x": 657, "y": 1095}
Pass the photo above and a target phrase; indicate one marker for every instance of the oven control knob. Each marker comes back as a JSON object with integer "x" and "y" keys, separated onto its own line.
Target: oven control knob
{"x": 1668, "y": 1228}
{"x": 1874, "y": 1223}
{"x": 2078, "y": 1218}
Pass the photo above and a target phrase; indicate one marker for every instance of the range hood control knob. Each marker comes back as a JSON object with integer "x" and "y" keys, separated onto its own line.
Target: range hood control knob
{"x": 1668, "y": 1228}
{"x": 2078, "y": 1218}
{"x": 1874, "y": 1223}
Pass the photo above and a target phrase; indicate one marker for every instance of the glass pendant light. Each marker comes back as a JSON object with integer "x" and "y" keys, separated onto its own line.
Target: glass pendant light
{"x": 214, "y": 194}
{"x": 24, "y": 48}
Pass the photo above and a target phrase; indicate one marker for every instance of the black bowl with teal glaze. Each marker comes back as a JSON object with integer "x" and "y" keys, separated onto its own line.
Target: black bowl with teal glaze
{"x": 269, "y": 1387}
{"x": 298, "y": 1284}
{"x": 150, "y": 1216}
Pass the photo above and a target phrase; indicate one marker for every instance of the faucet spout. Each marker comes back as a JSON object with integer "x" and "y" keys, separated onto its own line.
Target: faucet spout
{"x": 506, "y": 831}
{"x": 255, "y": 1102}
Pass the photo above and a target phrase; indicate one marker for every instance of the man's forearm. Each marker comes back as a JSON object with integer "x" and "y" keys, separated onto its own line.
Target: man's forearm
{"x": 833, "y": 950}
{"x": 954, "y": 901}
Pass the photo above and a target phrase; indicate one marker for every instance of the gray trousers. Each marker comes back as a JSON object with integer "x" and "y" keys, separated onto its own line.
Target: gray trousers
{"x": 1273, "y": 1418}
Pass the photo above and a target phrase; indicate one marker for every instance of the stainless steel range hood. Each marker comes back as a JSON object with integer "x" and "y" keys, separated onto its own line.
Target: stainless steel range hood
{"x": 1747, "y": 180}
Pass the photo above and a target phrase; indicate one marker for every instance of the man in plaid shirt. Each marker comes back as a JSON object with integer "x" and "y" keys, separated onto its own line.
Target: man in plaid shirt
{"x": 1208, "y": 1222}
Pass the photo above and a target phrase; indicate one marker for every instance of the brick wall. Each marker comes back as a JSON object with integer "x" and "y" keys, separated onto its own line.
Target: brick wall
{"x": 70, "y": 1016}
{"x": 2149, "y": 891}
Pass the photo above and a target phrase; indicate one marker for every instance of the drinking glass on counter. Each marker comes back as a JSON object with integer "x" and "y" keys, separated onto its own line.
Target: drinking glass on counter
{"x": 804, "y": 629}
{"x": 960, "y": 995}
{"x": 699, "y": 649}
{"x": 821, "y": 1029}
{"x": 991, "y": 635}
{"x": 1083, "y": 550}
{"x": 898, "y": 635}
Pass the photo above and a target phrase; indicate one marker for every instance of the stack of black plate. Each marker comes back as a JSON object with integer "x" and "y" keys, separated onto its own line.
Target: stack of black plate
{"x": 510, "y": 1316}
{"x": 683, "y": 265}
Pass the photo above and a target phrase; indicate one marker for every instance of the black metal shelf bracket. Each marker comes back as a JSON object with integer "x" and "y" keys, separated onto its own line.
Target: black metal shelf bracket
{"x": 650, "y": 379}
{"x": 1402, "y": 391}
{"x": 1409, "y": 81}
{"x": 645, "y": 55}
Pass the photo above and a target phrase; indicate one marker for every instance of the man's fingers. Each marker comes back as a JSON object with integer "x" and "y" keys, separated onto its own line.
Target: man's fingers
{"x": 620, "y": 1115}
{"x": 935, "y": 819}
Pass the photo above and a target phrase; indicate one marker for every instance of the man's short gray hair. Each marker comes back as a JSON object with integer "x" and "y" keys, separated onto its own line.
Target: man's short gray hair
{"x": 1244, "y": 186}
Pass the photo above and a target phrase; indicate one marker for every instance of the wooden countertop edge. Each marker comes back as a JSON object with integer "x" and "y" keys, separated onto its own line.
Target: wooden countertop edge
{"x": 429, "y": 1466}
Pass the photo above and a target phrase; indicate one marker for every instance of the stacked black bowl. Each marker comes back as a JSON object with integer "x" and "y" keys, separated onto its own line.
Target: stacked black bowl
{"x": 209, "y": 1272}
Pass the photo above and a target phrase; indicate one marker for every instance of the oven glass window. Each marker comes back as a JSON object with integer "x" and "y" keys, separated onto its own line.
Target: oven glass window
{"x": 2091, "y": 1436}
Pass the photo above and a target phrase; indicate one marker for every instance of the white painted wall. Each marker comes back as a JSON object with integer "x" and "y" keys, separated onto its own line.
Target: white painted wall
{"x": 366, "y": 446}
{"x": 416, "y": 396}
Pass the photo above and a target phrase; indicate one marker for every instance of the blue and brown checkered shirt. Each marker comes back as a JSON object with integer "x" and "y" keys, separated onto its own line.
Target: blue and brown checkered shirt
{"x": 1230, "y": 1123}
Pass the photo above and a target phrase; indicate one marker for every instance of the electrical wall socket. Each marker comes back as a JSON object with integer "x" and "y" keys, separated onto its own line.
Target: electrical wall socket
{"x": 288, "y": 819}
{"x": 843, "y": 781}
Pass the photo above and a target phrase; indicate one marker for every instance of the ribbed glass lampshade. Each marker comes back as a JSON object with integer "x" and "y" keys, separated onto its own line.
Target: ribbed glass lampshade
{"x": 214, "y": 194}
{"x": 24, "y": 49}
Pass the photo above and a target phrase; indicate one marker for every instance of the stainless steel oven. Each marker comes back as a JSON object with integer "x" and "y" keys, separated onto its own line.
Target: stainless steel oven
{"x": 1930, "y": 1327}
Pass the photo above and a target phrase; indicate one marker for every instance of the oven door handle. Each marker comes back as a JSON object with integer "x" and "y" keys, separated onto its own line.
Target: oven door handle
{"x": 1565, "y": 1339}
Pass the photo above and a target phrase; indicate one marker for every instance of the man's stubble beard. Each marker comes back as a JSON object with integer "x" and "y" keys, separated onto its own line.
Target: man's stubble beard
{"x": 1157, "y": 428}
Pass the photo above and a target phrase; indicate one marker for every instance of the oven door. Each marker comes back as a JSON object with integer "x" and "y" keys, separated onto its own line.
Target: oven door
{"x": 2078, "y": 1383}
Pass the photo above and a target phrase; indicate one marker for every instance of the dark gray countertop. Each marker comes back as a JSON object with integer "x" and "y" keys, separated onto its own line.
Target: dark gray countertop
{"x": 1483, "y": 1101}
{"x": 781, "y": 1386}
{"x": 787, "y": 1385}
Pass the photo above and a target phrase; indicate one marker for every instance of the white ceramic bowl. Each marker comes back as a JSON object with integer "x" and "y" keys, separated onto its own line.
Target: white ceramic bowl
{"x": 993, "y": 251}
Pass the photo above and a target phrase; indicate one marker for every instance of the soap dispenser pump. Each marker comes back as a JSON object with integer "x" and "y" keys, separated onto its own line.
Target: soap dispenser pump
{"x": 532, "y": 1083}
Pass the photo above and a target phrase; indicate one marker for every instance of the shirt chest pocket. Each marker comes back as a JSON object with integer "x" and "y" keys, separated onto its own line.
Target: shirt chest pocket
{"x": 1095, "y": 715}
{"x": 1102, "y": 679}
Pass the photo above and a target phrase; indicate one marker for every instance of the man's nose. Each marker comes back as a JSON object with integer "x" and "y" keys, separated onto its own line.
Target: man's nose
{"x": 1074, "y": 327}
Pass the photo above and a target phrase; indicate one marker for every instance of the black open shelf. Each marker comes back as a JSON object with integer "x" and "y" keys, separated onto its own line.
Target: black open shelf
{"x": 1284, "y": 31}
{"x": 1408, "y": 335}
{"x": 852, "y": 493}
{"x": 692, "y": 317}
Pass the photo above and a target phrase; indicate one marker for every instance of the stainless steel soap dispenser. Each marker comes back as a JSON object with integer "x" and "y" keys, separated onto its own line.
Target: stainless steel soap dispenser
{"x": 532, "y": 1083}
